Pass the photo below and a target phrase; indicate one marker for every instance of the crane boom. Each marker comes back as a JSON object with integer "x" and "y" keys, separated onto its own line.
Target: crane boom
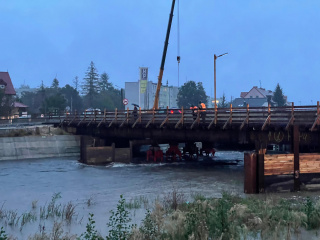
{"x": 156, "y": 98}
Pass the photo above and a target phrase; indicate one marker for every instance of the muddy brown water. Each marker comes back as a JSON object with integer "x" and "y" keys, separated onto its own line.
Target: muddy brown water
{"x": 26, "y": 181}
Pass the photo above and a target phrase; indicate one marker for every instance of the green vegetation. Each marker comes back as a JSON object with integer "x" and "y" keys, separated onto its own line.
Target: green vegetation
{"x": 90, "y": 86}
{"x": 6, "y": 104}
{"x": 278, "y": 96}
{"x": 137, "y": 203}
{"x": 119, "y": 220}
{"x": 224, "y": 103}
{"x": 91, "y": 233}
{"x": 173, "y": 218}
{"x": 97, "y": 92}
{"x": 3, "y": 235}
{"x": 190, "y": 94}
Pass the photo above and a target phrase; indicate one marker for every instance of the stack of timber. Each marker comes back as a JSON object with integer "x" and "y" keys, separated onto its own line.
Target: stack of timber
{"x": 280, "y": 164}
{"x": 309, "y": 163}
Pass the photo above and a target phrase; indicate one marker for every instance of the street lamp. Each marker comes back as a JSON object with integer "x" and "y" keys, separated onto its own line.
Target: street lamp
{"x": 215, "y": 89}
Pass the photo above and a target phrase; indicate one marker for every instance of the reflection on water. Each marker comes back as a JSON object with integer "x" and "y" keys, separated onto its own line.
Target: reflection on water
{"x": 23, "y": 182}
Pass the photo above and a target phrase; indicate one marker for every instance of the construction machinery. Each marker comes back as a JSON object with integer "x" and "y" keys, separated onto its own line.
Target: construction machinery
{"x": 156, "y": 99}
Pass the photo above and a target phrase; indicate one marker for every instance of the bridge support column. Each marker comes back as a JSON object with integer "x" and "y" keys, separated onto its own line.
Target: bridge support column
{"x": 260, "y": 171}
{"x": 92, "y": 153}
{"x": 250, "y": 172}
{"x": 296, "y": 175}
{"x": 254, "y": 172}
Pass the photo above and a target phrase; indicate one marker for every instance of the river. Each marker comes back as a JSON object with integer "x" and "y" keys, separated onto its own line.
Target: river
{"x": 97, "y": 189}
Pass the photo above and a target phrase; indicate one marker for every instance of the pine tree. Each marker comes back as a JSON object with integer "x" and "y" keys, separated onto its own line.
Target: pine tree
{"x": 55, "y": 83}
{"x": 90, "y": 86}
{"x": 76, "y": 82}
{"x": 104, "y": 82}
{"x": 223, "y": 103}
{"x": 278, "y": 96}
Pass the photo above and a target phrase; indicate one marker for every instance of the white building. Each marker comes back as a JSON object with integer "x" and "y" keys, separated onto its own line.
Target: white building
{"x": 168, "y": 95}
{"x": 143, "y": 93}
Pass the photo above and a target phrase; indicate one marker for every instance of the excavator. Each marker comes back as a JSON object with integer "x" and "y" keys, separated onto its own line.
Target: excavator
{"x": 156, "y": 99}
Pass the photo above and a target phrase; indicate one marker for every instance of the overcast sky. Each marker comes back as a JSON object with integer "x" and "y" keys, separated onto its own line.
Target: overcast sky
{"x": 268, "y": 42}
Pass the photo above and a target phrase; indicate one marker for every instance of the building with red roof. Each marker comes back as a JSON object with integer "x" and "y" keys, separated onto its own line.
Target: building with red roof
{"x": 6, "y": 83}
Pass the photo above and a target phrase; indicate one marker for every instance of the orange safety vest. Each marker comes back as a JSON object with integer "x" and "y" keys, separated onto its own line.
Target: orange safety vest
{"x": 194, "y": 109}
{"x": 203, "y": 107}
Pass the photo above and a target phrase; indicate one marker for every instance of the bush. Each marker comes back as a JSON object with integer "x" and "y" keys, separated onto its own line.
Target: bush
{"x": 91, "y": 233}
{"x": 3, "y": 235}
{"x": 119, "y": 222}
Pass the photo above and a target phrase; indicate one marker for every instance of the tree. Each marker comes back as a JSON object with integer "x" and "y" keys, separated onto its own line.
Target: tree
{"x": 55, "y": 83}
{"x": 76, "y": 82}
{"x": 73, "y": 99}
{"x": 223, "y": 103}
{"x": 25, "y": 86}
{"x": 55, "y": 103}
{"x": 5, "y": 104}
{"x": 104, "y": 83}
{"x": 278, "y": 96}
{"x": 90, "y": 86}
{"x": 32, "y": 100}
{"x": 190, "y": 94}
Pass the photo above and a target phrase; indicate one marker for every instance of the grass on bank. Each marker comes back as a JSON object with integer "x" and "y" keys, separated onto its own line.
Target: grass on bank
{"x": 228, "y": 217}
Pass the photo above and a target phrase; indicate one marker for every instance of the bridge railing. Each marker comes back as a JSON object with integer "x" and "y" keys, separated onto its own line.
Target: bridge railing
{"x": 221, "y": 117}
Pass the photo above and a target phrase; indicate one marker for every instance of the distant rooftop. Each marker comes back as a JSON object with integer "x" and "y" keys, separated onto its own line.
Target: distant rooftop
{"x": 9, "y": 89}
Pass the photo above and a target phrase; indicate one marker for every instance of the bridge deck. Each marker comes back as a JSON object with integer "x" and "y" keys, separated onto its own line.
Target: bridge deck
{"x": 223, "y": 118}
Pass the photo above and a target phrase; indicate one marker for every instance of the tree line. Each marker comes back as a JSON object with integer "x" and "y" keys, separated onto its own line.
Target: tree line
{"x": 95, "y": 91}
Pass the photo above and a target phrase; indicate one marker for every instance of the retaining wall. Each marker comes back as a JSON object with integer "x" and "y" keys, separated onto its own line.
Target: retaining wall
{"x": 32, "y": 147}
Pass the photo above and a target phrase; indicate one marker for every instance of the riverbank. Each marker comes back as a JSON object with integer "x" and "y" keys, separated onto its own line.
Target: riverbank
{"x": 35, "y": 142}
{"x": 173, "y": 217}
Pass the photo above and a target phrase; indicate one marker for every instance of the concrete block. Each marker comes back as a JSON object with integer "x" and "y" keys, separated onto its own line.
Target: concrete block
{"x": 122, "y": 155}
{"x": 98, "y": 155}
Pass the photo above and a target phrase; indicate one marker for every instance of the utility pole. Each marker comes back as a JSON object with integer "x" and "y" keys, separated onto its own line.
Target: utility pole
{"x": 215, "y": 88}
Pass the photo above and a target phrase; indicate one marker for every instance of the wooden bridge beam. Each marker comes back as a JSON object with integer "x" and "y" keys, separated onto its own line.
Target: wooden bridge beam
{"x": 152, "y": 119}
{"x": 84, "y": 118}
{"x": 268, "y": 120}
{"x": 229, "y": 119}
{"x": 317, "y": 121}
{"x": 197, "y": 121}
{"x": 292, "y": 117}
{"x": 180, "y": 120}
{"x": 166, "y": 119}
{"x": 104, "y": 118}
{"x": 126, "y": 120}
{"x": 115, "y": 117}
{"x": 246, "y": 120}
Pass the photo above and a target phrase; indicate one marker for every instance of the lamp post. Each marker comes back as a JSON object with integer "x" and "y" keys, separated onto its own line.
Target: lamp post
{"x": 215, "y": 89}
{"x": 121, "y": 94}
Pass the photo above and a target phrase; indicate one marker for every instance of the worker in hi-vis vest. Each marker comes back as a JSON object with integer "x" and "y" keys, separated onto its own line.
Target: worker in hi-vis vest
{"x": 202, "y": 108}
{"x": 194, "y": 112}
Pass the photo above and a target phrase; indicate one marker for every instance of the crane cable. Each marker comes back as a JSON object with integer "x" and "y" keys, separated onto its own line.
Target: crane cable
{"x": 178, "y": 47}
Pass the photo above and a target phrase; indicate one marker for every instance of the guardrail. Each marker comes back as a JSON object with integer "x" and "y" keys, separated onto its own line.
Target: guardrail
{"x": 240, "y": 117}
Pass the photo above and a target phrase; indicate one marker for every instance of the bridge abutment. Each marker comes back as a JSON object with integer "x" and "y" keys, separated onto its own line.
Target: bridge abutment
{"x": 96, "y": 151}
